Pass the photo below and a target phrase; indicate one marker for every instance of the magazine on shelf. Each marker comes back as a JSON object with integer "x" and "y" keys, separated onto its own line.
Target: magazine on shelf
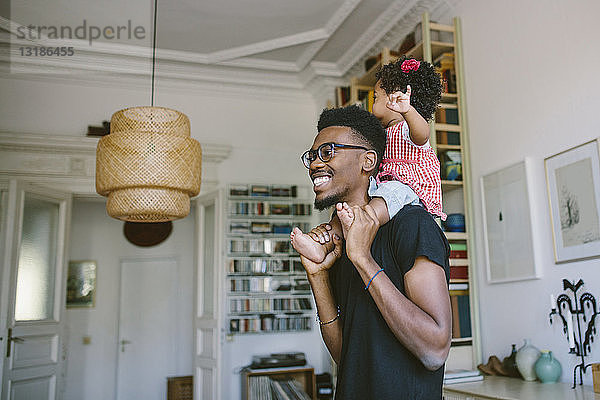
{"x": 461, "y": 376}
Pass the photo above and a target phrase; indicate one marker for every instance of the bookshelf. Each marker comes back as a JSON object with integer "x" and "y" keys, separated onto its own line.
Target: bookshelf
{"x": 303, "y": 375}
{"x": 266, "y": 286}
{"x": 440, "y": 45}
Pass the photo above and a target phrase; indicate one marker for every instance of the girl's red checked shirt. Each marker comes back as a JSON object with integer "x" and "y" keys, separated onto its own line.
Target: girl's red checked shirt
{"x": 415, "y": 166}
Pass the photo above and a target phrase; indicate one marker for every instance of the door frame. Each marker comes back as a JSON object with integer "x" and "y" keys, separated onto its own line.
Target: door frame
{"x": 212, "y": 324}
{"x": 11, "y": 242}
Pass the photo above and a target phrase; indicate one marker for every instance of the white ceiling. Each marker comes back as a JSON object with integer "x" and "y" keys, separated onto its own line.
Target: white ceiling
{"x": 307, "y": 37}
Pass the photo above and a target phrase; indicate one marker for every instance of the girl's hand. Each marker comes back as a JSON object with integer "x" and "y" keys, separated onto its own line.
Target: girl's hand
{"x": 399, "y": 102}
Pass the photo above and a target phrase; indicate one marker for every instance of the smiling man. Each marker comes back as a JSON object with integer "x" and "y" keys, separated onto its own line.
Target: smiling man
{"x": 382, "y": 297}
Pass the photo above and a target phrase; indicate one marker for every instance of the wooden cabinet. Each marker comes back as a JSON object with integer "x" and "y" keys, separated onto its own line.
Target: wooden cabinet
{"x": 440, "y": 45}
{"x": 304, "y": 375}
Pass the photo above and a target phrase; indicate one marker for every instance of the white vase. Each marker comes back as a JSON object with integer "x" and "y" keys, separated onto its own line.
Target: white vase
{"x": 527, "y": 355}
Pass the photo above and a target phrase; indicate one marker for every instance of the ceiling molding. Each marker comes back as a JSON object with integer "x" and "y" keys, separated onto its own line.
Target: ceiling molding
{"x": 326, "y": 69}
{"x": 268, "y": 45}
{"x": 260, "y": 63}
{"x": 404, "y": 25}
{"x": 44, "y": 143}
{"x": 231, "y": 69}
{"x": 69, "y": 162}
{"x": 375, "y": 32}
{"x": 308, "y": 54}
{"x": 332, "y": 25}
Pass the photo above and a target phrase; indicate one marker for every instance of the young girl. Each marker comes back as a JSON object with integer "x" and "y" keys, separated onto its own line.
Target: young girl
{"x": 406, "y": 96}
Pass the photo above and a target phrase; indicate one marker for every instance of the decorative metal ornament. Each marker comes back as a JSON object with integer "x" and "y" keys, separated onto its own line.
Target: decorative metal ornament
{"x": 581, "y": 333}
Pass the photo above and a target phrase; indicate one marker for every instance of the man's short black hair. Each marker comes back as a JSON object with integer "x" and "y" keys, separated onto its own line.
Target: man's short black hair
{"x": 362, "y": 124}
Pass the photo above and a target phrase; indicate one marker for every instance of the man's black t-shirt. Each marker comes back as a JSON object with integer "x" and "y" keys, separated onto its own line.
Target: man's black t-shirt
{"x": 374, "y": 364}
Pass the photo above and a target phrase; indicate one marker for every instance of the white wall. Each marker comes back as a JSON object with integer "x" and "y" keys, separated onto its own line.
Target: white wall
{"x": 268, "y": 129}
{"x": 532, "y": 90}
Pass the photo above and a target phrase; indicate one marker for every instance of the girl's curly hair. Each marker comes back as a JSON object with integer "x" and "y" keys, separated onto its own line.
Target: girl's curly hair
{"x": 425, "y": 84}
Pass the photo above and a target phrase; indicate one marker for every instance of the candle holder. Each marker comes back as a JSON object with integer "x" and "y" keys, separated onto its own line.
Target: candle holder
{"x": 583, "y": 308}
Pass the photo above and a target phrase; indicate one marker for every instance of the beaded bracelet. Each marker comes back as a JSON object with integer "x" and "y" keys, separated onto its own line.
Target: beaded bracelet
{"x": 371, "y": 280}
{"x": 330, "y": 321}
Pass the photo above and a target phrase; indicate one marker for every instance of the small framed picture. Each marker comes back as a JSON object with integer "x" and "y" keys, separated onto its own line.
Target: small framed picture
{"x": 81, "y": 284}
{"x": 573, "y": 183}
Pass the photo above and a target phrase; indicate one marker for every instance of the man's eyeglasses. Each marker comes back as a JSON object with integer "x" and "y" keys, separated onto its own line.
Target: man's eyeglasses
{"x": 325, "y": 152}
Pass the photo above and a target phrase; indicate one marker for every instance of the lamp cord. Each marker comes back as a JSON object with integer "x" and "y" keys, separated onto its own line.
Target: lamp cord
{"x": 154, "y": 50}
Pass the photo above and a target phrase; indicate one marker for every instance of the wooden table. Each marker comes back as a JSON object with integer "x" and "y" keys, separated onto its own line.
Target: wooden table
{"x": 503, "y": 388}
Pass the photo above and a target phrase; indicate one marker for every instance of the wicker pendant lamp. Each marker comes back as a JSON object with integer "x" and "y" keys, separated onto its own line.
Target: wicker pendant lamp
{"x": 148, "y": 166}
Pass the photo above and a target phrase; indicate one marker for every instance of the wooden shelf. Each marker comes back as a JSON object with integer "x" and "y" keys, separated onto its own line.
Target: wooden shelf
{"x": 448, "y": 97}
{"x": 437, "y": 49}
{"x": 449, "y": 105}
{"x": 436, "y": 41}
{"x": 456, "y": 235}
{"x": 448, "y": 146}
{"x": 463, "y": 341}
{"x": 451, "y": 185}
{"x": 446, "y": 127}
{"x": 434, "y": 26}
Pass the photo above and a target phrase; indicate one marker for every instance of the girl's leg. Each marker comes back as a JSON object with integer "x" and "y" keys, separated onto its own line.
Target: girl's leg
{"x": 317, "y": 243}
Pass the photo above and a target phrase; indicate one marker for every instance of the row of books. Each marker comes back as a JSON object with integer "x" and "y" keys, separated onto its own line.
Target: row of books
{"x": 461, "y": 316}
{"x": 447, "y": 116}
{"x": 268, "y": 208}
{"x": 262, "y": 246}
{"x": 365, "y": 99}
{"x": 459, "y": 263}
{"x": 270, "y": 304}
{"x": 444, "y": 137}
{"x": 264, "y": 266}
{"x": 262, "y": 227}
{"x": 270, "y": 323}
{"x": 268, "y": 284}
{"x": 263, "y": 190}
{"x": 342, "y": 95}
{"x": 263, "y": 387}
{"x": 445, "y": 66}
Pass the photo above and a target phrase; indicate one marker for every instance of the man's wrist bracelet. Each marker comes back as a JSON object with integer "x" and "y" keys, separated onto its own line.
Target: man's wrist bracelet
{"x": 331, "y": 320}
{"x": 371, "y": 280}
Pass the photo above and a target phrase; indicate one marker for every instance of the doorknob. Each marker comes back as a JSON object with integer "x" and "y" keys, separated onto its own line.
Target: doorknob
{"x": 10, "y": 340}
{"x": 123, "y": 343}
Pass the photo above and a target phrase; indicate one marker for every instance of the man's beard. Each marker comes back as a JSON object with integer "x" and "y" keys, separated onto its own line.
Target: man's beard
{"x": 330, "y": 200}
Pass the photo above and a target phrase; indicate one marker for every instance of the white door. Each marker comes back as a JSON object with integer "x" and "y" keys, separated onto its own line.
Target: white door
{"x": 147, "y": 328}
{"x": 32, "y": 302}
{"x": 208, "y": 321}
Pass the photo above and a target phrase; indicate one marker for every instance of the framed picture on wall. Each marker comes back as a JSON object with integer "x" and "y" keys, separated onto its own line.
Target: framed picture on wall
{"x": 508, "y": 230}
{"x": 573, "y": 182}
{"x": 81, "y": 284}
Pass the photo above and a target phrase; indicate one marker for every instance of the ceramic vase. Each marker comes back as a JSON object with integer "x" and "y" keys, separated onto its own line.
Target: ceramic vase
{"x": 547, "y": 368}
{"x": 527, "y": 355}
